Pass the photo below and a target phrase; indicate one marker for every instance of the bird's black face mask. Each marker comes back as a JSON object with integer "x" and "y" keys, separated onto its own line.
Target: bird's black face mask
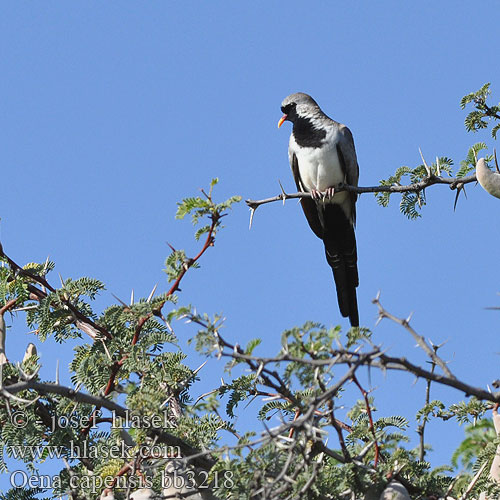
{"x": 289, "y": 113}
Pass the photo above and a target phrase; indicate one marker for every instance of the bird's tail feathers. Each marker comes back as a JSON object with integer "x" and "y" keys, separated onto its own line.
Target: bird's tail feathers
{"x": 341, "y": 254}
{"x": 346, "y": 279}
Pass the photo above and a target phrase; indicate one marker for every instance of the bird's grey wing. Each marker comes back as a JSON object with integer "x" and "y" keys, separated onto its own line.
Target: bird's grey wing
{"x": 339, "y": 237}
{"x": 308, "y": 204}
{"x": 349, "y": 163}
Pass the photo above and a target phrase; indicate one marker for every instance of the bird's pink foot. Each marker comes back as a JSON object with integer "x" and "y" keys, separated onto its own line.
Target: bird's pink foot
{"x": 329, "y": 193}
{"x": 316, "y": 195}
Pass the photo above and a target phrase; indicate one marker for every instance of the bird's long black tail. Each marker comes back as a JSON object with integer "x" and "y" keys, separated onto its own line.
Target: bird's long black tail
{"x": 341, "y": 255}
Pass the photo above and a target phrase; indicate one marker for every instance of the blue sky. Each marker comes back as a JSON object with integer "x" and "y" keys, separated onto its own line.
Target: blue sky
{"x": 112, "y": 112}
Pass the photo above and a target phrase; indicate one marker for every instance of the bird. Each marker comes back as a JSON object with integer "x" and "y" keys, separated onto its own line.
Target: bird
{"x": 30, "y": 351}
{"x": 489, "y": 180}
{"x": 395, "y": 491}
{"x": 322, "y": 154}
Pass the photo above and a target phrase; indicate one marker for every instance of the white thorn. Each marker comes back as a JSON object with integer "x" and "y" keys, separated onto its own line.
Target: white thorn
{"x": 132, "y": 298}
{"x": 45, "y": 266}
{"x": 408, "y": 319}
{"x": 252, "y": 211}
{"x": 62, "y": 281}
{"x": 152, "y": 293}
{"x": 283, "y": 192}
{"x": 57, "y": 371}
{"x": 200, "y": 367}
{"x": 429, "y": 173}
{"x": 272, "y": 398}
{"x": 259, "y": 370}
{"x": 438, "y": 167}
{"x": 106, "y": 350}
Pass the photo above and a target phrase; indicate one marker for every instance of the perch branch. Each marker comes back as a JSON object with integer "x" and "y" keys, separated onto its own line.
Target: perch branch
{"x": 452, "y": 182}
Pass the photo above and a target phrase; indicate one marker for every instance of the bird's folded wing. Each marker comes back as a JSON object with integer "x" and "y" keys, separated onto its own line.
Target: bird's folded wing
{"x": 349, "y": 163}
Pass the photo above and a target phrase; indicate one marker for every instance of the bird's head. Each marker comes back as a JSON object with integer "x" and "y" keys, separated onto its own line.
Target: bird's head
{"x": 298, "y": 104}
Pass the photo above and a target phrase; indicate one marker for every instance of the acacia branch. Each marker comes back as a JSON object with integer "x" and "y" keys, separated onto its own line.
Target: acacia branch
{"x": 452, "y": 182}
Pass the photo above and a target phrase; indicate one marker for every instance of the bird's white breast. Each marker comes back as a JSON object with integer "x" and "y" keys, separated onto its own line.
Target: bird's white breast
{"x": 319, "y": 168}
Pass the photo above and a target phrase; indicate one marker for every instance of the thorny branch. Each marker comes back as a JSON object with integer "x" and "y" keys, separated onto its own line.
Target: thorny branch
{"x": 430, "y": 180}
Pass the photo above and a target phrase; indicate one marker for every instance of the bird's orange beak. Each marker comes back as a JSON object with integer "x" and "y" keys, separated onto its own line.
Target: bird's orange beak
{"x": 282, "y": 119}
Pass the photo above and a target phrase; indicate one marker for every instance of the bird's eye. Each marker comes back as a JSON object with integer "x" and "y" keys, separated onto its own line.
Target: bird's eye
{"x": 286, "y": 109}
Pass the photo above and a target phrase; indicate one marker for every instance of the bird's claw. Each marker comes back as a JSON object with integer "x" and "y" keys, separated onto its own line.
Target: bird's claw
{"x": 329, "y": 193}
{"x": 315, "y": 195}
